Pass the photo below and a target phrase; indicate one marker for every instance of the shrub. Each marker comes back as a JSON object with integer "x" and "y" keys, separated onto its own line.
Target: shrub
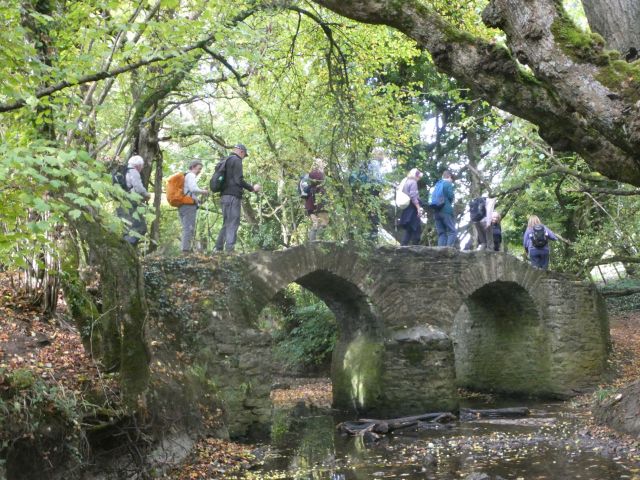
{"x": 308, "y": 336}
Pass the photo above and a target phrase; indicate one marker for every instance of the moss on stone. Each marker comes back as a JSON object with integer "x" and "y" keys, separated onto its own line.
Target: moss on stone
{"x": 357, "y": 380}
{"x": 526, "y": 76}
{"x": 414, "y": 353}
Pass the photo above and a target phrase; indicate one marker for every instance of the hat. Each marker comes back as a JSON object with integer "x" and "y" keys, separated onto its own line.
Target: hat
{"x": 240, "y": 146}
{"x": 135, "y": 161}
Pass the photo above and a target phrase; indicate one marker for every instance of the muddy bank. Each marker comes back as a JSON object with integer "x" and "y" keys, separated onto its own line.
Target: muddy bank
{"x": 617, "y": 404}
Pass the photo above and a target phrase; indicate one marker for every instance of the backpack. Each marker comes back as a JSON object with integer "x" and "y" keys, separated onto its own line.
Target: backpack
{"x": 119, "y": 177}
{"x": 538, "y": 236}
{"x": 304, "y": 186}
{"x": 402, "y": 199}
{"x": 477, "y": 209}
{"x": 175, "y": 191}
{"x": 216, "y": 184}
{"x": 436, "y": 201}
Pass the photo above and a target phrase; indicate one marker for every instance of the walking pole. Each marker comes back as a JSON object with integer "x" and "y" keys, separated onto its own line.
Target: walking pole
{"x": 195, "y": 229}
{"x": 207, "y": 230}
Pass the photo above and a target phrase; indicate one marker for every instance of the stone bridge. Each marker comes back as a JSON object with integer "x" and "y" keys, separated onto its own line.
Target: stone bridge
{"x": 413, "y": 325}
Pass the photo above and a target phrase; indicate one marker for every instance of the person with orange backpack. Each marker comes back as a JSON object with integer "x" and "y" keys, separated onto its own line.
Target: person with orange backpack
{"x": 182, "y": 192}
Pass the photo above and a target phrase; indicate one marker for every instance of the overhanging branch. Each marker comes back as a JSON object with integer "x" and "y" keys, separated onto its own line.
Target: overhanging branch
{"x": 111, "y": 73}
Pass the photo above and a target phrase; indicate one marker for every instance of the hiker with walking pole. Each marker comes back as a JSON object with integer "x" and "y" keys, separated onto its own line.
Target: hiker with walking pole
{"x": 228, "y": 179}
{"x": 182, "y": 192}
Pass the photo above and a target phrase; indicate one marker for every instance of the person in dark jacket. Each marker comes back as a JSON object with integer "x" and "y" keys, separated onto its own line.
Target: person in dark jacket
{"x": 496, "y": 231}
{"x": 410, "y": 217}
{"x": 539, "y": 256}
{"x": 231, "y": 200}
{"x": 315, "y": 204}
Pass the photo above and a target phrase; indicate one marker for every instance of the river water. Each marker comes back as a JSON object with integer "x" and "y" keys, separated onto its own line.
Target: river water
{"x": 550, "y": 444}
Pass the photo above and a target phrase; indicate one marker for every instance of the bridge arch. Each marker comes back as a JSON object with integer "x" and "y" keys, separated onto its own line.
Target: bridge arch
{"x": 342, "y": 280}
{"x": 501, "y": 342}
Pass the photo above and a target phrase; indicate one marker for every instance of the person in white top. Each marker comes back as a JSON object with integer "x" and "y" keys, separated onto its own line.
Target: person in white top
{"x": 135, "y": 225}
{"x": 188, "y": 213}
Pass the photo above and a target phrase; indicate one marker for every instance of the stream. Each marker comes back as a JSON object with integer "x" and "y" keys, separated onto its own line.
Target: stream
{"x": 551, "y": 443}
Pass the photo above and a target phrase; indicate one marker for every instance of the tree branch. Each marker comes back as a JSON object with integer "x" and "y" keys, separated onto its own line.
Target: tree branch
{"x": 551, "y": 171}
{"x": 607, "y": 191}
{"x": 620, "y": 293}
{"x": 565, "y": 98}
{"x": 614, "y": 259}
{"x": 110, "y": 73}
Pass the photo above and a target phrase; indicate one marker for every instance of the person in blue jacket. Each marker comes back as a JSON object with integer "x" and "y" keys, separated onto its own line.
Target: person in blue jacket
{"x": 536, "y": 242}
{"x": 445, "y": 221}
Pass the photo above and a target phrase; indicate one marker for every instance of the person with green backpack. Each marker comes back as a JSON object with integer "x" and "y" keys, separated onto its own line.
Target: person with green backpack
{"x": 231, "y": 188}
{"x": 441, "y": 202}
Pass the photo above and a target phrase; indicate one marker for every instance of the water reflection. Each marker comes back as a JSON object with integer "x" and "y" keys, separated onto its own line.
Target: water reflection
{"x": 541, "y": 447}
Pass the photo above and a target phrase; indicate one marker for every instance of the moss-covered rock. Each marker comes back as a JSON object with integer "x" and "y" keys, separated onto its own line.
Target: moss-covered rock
{"x": 621, "y": 77}
{"x": 357, "y": 374}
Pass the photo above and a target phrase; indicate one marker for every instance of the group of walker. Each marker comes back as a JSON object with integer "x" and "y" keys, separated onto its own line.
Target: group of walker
{"x": 187, "y": 196}
{"x": 483, "y": 216}
{"x": 229, "y": 181}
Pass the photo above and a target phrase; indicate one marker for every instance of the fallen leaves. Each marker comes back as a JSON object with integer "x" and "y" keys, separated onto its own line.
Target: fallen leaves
{"x": 313, "y": 392}
{"x": 213, "y": 458}
{"x": 48, "y": 348}
{"x": 625, "y": 336}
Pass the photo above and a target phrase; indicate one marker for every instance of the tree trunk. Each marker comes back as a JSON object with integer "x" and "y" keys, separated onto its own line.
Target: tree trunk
{"x": 81, "y": 305}
{"x": 467, "y": 414}
{"x": 618, "y": 21}
{"x": 148, "y": 147}
{"x": 124, "y": 309}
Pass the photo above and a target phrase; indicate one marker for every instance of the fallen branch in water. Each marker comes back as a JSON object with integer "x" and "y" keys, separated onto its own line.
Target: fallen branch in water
{"x": 377, "y": 427}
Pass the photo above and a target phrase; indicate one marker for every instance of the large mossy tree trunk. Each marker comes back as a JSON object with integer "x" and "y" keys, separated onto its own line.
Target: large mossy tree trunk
{"x": 121, "y": 326}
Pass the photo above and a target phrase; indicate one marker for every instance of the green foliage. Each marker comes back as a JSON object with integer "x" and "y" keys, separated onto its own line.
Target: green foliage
{"x": 626, "y": 303}
{"x": 44, "y": 186}
{"x": 308, "y": 336}
{"x": 21, "y": 379}
{"x": 603, "y": 393}
{"x": 291, "y": 94}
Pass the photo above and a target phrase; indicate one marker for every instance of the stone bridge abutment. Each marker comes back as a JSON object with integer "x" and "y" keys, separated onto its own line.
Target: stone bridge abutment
{"x": 413, "y": 325}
